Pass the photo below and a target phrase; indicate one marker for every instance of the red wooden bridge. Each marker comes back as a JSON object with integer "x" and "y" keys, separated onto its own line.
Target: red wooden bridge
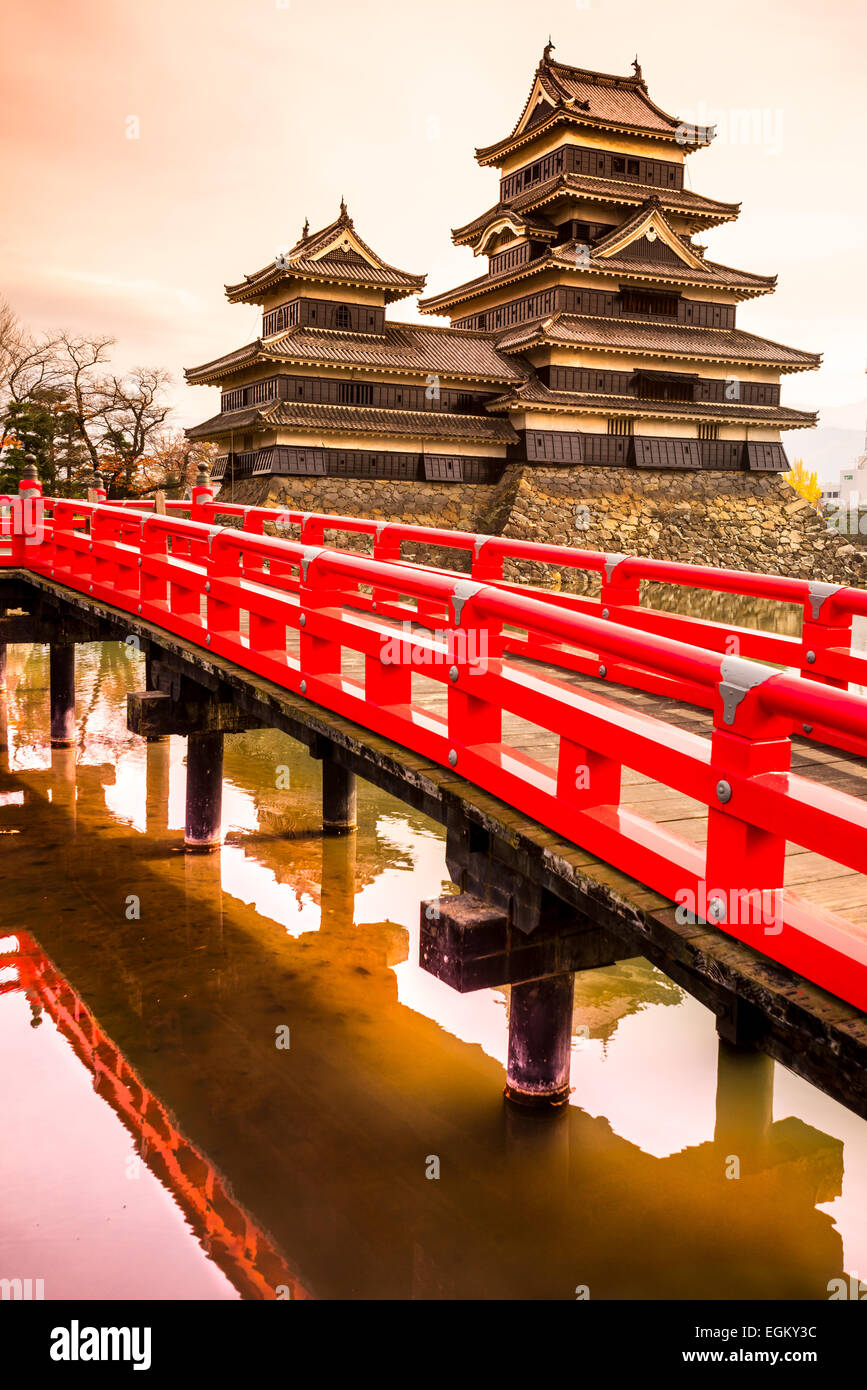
{"x": 721, "y": 767}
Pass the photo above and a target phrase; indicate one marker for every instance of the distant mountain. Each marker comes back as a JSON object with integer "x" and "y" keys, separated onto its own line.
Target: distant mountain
{"x": 837, "y": 442}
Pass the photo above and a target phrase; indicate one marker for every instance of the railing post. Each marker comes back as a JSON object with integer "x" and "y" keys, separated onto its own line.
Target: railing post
{"x": 486, "y": 565}
{"x": 202, "y": 496}
{"x": 224, "y": 568}
{"x": 318, "y": 655}
{"x": 105, "y": 533}
{"x": 154, "y": 587}
{"x": 29, "y": 500}
{"x": 387, "y": 548}
{"x": 587, "y": 778}
{"x": 824, "y": 628}
{"x": 744, "y": 864}
{"x": 617, "y": 591}
{"x": 472, "y": 643}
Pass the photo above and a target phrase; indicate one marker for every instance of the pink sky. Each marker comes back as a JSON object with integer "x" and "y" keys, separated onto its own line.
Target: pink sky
{"x": 256, "y": 113}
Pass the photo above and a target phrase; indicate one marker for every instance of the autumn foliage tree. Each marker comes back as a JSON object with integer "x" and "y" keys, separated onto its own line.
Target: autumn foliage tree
{"x": 805, "y": 482}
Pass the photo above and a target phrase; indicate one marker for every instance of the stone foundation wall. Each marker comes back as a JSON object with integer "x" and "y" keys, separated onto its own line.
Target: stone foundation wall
{"x": 739, "y": 520}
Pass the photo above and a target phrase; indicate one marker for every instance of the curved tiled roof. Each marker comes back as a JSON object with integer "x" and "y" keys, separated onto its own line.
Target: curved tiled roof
{"x": 421, "y": 349}
{"x": 595, "y": 98}
{"x": 355, "y": 419}
{"x": 708, "y": 212}
{"x": 710, "y": 274}
{"x": 534, "y": 393}
{"x": 658, "y": 339}
{"x": 366, "y": 268}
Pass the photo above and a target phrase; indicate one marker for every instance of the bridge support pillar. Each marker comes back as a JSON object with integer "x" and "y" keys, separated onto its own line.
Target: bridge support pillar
{"x": 338, "y": 798}
{"x": 62, "y": 681}
{"x": 204, "y": 791}
{"x": 540, "y": 1041}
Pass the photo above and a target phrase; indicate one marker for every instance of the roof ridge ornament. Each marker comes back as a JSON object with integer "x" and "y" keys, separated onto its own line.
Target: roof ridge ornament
{"x": 636, "y": 68}
{"x": 548, "y": 50}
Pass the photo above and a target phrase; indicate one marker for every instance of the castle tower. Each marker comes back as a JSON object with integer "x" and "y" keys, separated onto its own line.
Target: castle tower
{"x": 332, "y": 388}
{"x": 594, "y": 282}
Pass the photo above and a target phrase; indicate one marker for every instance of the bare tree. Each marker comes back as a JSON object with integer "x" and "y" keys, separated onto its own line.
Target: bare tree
{"x": 131, "y": 413}
{"x": 79, "y": 360}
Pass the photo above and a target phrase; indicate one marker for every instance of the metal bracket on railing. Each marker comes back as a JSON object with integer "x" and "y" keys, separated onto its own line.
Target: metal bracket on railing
{"x": 477, "y": 547}
{"x": 611, "y": 563}
{"x": 379, "y": 530}
{"x": 464, "y": 589}
{"x": 737, "y": 678}
{"x": 818, "y": 592}
{"x": 310, "y": 553}
{"x": 212, "y": 532}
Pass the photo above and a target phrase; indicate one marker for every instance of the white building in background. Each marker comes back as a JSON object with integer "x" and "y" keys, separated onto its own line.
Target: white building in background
{"x": 851, "y": 491}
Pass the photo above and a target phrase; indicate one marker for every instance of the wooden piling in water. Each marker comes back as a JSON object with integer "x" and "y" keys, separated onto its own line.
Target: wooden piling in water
{"x": 338, "y": 799}
{"x": 62, "y": 683}
{"x": 540, "y": 1041}
{"x": 204, "y": 791}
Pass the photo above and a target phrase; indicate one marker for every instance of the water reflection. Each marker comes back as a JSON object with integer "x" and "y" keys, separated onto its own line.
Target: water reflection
{"x": 194, "y": 969}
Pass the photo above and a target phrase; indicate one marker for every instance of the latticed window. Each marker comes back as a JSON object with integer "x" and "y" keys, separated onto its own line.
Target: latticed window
{"x": 708, "y": 431}
{"x": 620, "y": 424}
{"x": 343, "y": 316}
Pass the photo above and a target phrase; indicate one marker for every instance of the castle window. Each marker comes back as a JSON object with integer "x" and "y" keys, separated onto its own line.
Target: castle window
{"x": 342, "y": 317}
{"x": 632, "y": 167}
{"x": 618, "y": 165}
{"x": 648, "y": 302}
{"x": 708, "y": 431}
{"x": 354, "y": 393}
{"x": 619, "y": 425}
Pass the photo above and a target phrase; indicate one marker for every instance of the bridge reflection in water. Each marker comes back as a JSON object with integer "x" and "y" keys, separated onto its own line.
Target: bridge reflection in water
{"x": 306, "y": 1168}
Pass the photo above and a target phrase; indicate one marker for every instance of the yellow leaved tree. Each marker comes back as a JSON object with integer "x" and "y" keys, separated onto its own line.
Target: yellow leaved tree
{"x": 804, "y": 482}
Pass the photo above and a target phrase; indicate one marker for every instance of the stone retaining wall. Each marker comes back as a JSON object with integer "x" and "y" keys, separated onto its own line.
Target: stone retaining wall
{"x": 737, "y": 520}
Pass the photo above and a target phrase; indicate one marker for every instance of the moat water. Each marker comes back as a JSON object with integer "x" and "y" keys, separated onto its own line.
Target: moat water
{"x": 226, "y": 1076}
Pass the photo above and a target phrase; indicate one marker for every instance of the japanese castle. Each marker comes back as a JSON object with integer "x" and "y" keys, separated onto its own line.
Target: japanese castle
{"x": 599, "y": 332}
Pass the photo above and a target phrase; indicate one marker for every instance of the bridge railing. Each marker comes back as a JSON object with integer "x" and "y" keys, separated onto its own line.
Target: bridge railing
{"x": 822, "y": 651}
{"x": 308, "y": 618}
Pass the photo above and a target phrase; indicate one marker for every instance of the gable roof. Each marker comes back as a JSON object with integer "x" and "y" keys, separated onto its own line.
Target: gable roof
{"x": 336, "y": 255}
{"x": 609, "y": 256}
{"x": 560, "y": 92}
